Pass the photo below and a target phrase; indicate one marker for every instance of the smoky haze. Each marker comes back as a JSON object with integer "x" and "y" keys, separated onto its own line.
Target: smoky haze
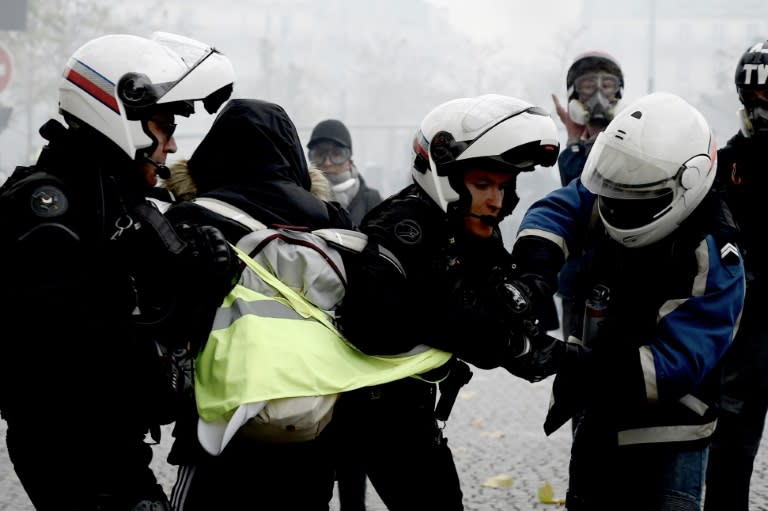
{"x": 380, "y": 66}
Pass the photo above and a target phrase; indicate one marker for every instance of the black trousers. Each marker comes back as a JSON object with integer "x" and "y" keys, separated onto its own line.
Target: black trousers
{"x": 391, "y": 431}
{"x": 744, "y": 406}
{"x": 254, "y": 475}
{"x": 94, "y": 467}
{"x": 352, "y": 481}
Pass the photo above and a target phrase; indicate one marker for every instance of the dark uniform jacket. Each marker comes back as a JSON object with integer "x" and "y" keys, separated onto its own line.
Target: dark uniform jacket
{"x": 448, "y": 295}
{"x": 742, "y": 172}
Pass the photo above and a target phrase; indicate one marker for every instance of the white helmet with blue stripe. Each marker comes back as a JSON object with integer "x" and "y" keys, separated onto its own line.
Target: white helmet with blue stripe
{"x": 114, "y": 83}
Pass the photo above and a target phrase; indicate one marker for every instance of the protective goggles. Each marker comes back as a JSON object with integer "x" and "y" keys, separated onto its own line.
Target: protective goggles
{"x": 586, "y": 85}
{"x": 336, "y": 154}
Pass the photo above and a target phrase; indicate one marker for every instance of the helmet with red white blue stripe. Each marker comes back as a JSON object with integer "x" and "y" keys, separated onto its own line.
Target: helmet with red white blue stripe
{"x": 115, "y": 83}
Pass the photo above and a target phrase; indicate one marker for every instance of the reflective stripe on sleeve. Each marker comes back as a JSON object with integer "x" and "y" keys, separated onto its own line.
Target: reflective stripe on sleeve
{"x": 554, "y": 238}
{"x": 666, "y": 434}
{"x": 649, "y": 374}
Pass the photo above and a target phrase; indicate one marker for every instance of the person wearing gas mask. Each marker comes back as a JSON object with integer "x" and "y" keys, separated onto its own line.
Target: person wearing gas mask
{"x": 330, "y": 150}
{"x": 644, "y": 388}
{"x": 451, "y": 275}
{"x": 87, "y": 296}
{"x": 595, "y": 84}
{"x": 741, "y": 169}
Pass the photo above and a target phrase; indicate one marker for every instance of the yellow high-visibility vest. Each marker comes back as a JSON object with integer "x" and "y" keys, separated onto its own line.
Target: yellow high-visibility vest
{"x": 268, "y": 347}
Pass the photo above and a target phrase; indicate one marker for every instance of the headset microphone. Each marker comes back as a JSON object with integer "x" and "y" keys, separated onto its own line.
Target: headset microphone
{"x": 163, "y": 171}
{"x": 486, "y": 219}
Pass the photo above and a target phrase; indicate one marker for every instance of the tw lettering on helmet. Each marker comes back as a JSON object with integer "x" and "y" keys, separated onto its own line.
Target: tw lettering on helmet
{"x": 757, "y": 71}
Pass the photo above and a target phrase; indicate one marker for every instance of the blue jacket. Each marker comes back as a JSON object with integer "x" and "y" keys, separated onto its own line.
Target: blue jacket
{"x": 673, "y": 312}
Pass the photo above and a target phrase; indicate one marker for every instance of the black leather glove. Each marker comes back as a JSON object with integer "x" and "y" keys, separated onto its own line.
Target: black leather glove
{"x": 528, "y": 300}
{"x": 541, "y": 357}
{"x": 572, "y": 388}
{"x": 540, "y": 295}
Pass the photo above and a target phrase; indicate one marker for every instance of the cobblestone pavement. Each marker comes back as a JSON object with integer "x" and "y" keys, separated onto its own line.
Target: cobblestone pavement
{"x": 494, "y": 430}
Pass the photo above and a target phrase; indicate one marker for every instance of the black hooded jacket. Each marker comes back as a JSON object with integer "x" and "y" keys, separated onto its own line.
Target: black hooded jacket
{"x": 266, "y": 177}
{"x": 252, "y": 158}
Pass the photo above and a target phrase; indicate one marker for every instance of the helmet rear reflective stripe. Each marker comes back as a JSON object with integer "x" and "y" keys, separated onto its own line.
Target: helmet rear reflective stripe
{"x": 93, "y": 83}
{"x": 420, "y": 145}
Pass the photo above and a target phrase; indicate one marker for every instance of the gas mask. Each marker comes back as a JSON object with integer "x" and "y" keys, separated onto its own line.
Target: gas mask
{"x": 598, "y": 109}
{"x": 594, "y": 98}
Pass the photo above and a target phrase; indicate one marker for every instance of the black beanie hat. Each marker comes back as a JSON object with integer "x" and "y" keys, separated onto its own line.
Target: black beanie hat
{"x": 332, "y": 130}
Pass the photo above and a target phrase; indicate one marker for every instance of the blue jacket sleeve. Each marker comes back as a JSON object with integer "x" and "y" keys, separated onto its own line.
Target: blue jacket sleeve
{"x": 694, "y": 333}
{"x": 562, "y": 217}
{"x": 571, "y": 162}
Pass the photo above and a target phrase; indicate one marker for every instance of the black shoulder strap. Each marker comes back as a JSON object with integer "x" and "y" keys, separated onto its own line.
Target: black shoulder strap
{"x": 159, "y": 224}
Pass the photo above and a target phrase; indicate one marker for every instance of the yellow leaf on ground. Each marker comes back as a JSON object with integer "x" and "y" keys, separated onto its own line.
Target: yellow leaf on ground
{"x": 547, "y": 495}
{"x": 492, "y": 434}
{"x": 467, "y": 394}
{"x": 498, "y": 481}
{"x": 478, "y": 423}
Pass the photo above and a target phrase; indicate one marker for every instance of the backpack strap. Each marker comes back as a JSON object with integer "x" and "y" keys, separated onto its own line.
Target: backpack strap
{"x": 229, "y": 211}
{"x": 300, "y": 304}
{"x": 357, "y": 242}
{"x": 344, "y": 238}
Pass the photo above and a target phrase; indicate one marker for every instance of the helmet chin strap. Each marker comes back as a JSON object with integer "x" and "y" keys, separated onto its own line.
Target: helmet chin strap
{"x": 162, "y": 170}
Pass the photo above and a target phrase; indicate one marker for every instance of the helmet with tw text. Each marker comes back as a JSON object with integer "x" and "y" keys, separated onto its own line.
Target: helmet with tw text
{"x": 494, "y": 132}
{"x": 752, "y": 84}
{"x": 651, "y": 168}
{"x": 115, "y": 83}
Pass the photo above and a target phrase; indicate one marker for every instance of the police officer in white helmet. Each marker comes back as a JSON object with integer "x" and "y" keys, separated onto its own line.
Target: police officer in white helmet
{"x": 88, "y": 287}
{"x": 451, "y": 285}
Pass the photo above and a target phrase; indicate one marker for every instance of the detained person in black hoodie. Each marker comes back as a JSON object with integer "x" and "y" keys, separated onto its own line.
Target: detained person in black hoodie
{"x": 269, "y": 180}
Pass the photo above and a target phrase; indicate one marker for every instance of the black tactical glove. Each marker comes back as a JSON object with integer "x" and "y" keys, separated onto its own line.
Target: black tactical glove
{"x": 572, "y": 388}
{"x": 541, "y": 357}
{"x": 528, "y": 300}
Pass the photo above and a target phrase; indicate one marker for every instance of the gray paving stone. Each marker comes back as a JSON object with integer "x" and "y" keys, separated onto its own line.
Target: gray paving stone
{"x": 495, "y": 428}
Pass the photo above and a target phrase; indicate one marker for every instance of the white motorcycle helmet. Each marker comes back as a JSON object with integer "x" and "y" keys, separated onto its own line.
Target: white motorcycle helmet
{"x": 491, "y": 131}
{"x": 650, "y": 168}
{"x": 114, "y": 83}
